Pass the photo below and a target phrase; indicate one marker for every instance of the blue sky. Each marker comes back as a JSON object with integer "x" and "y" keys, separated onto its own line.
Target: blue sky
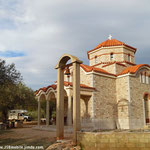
{"x": 35, "y": 33}
{"x": 10, "y": 53}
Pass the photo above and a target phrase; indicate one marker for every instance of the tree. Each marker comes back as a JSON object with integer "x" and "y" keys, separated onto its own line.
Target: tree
{"x": 25, "y": 98}
{"x": 9, "y": 74}
{"x": 13, "y": 93}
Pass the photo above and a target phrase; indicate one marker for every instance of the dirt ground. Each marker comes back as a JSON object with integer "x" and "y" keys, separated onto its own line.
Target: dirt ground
{"x": 28, "y": 136}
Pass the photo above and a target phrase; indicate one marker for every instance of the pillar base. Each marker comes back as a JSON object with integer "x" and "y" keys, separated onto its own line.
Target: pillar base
{"x": 60, "y": 138}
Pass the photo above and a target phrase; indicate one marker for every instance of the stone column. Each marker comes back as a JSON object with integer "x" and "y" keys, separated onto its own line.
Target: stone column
{"x": 69, "y": 113}
{"x": 60, "y": 104}
{"x": 47, "y": 112}
{"x": 39, "y": 111}
{"x": 76, "y": 100}
{"x": 148, "y": 102}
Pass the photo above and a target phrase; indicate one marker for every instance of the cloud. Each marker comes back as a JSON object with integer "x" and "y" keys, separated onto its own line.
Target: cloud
{"x": 44, "y": 30}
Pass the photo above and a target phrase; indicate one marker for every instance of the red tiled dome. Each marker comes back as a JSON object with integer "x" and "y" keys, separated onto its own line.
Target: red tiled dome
{"x": 112, "y": 42}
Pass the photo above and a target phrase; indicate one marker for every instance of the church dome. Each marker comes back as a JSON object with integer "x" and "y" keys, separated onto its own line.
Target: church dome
{"x": 111, "y": 42}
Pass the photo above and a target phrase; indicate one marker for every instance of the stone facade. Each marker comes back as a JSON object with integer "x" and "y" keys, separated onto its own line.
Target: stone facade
{"x": 117, "y": 102}
{"x": 114, "y": 91}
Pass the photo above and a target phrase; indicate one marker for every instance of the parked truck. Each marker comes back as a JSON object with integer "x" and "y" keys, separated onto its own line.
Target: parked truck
{"x": 18, "y": 115}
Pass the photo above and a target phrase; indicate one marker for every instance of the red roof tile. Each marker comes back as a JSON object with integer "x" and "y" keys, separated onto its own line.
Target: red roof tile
{"x": 81, "y": 85}
{"x": 133, "y": 69}
{"x": 109, "y": 43}
{"x": 54, "y": 86}
{"x": 46, "y": 88}
{"x": 90, "y": 68}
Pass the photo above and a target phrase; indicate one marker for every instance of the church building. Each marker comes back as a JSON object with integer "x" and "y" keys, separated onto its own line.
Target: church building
{"x": 114, "y": 90}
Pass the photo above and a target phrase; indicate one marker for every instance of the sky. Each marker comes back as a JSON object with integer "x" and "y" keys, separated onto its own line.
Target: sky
{"x": 35, "y": 33}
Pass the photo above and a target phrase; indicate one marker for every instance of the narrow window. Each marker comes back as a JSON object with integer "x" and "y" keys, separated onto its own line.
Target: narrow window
{"x": 145, "y": 77}
{"x": 96, "y": 60}
{"x": 141, "y": 78}
{"x": 129, "y": 58}
{"x": 111, "y": 56}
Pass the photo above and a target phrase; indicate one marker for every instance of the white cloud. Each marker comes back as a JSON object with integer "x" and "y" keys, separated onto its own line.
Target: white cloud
{"x": 45, "y": 30}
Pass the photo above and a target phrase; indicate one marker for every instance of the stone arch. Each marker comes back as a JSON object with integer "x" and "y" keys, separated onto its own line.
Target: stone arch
{"x": 146, "y": 94}
{"x": 64, "y": 58}
{"x": 142, "y": 69}
{"x": 60, "y": 95}
{"x": 51, "y": 95}
{"x": 122, "y": 102}
{"x": 41, "y": 96}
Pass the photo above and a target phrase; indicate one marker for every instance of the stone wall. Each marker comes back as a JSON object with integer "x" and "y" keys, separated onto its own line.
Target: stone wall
{"x": 114, "y": 140}
{"x": 85, "y": 78}
{"x": 104, "y": 101}
{"x": 132, "y": 59}
{"x": 104, "y": 54}
{"x": 119, "y": 68}
{"x": 122, "y": 88}
{"x": 120, "y": 53}
{"x": 122, "y": 96}
{"x": 137, "y": 91}
{"x": 110, "y": 68}
{"x": 113, "y": 68}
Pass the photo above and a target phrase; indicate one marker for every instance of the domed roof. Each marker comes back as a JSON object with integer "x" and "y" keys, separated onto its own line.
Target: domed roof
{"x": 111, "y": 42}
{"x": 133, "y": 69}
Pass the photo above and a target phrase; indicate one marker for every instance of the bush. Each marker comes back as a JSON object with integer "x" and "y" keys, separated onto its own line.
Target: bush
{"x": 34, "y": 114}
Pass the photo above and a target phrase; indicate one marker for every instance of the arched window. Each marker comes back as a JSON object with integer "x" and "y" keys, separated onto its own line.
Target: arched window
{"x": 145, "y": 77}
{"x": 96, "y": 60}
{"x": 111, "y": 56}
{"x": 141, "y": 78}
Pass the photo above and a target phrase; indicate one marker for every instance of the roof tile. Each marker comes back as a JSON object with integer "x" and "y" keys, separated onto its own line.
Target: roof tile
{"x": 133, "y": 69}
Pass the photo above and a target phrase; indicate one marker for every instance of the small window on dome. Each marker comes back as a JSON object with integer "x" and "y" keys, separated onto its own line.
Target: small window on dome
{"x": 111, "y": 56}
{"x": 96, "y": 60}
{"x": 129, "y": 57}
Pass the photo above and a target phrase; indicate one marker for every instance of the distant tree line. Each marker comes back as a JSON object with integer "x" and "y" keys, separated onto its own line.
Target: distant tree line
{"x": 14, "y": 94}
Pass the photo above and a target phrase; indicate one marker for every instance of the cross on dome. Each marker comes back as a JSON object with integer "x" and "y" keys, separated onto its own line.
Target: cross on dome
{"x": 110, "y": 37}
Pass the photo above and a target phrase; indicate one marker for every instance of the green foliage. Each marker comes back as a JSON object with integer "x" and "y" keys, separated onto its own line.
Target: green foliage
{"x": 54, "y": 114}
{"x": 8, "y": 74}
{"x": 43, "y": 108}
{"x": 25, "y": 98}
{"x": 33, "y": 114}
{"x": 13, "y": 93}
